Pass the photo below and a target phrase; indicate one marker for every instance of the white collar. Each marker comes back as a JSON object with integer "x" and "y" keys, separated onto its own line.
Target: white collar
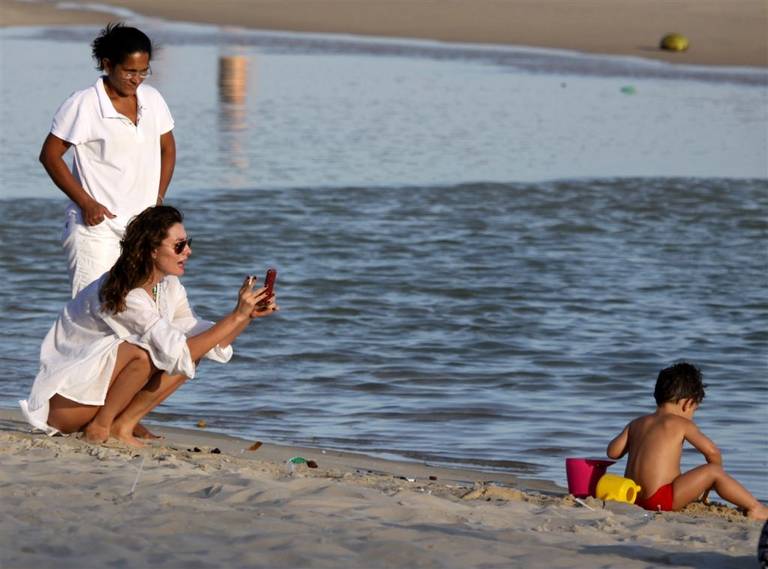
{"x": 107, "y": 108}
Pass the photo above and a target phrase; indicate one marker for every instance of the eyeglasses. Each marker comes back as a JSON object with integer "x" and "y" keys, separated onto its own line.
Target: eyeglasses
{"x": 179, "y": 246}
{"x": 141, "y": 74}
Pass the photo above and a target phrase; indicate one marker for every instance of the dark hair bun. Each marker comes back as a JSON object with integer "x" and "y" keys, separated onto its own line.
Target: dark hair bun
{"x": 116, "y": 42}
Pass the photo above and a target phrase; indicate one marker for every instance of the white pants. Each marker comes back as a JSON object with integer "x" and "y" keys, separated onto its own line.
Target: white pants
{"x": 91, "y": 249}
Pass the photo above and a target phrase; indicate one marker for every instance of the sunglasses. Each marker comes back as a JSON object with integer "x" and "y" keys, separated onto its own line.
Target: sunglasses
{"x": 179, "y": 246}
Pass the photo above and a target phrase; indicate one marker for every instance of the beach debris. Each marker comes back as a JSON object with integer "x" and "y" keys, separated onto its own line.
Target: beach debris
{"x": 628, "y": 90}
{"x": 195, "y": 449}
{"x": 583, "y": 503}
{"x": 201, "y": 424}
{"x": 215, "y": 451}
{"x": 431, "y": 477}
{"x": 674, "y": 42}
{"x": 138, "y": 475}
{"x": 255, "y": 446}
{"x": 302, "y": 460}
{"x": 296, "y": 460}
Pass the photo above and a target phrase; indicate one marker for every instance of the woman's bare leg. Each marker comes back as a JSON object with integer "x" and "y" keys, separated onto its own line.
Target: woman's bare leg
{"x": 157, "y": 390}
{"x": 142, "y": 432}
{"x": 69, "y": 416}
{"x": 123, "y": 389}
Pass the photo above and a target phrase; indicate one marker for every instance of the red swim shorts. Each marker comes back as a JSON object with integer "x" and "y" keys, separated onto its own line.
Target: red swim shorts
{"x": 660, "y": 501}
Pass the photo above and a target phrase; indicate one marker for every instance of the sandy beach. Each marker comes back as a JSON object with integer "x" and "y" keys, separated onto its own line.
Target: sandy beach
{"x": 721, "y": 32}
{"x": 206, "y": 500}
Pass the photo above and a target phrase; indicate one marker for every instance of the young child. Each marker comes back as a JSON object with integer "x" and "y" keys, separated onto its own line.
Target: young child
{"x": 655, "y": 444}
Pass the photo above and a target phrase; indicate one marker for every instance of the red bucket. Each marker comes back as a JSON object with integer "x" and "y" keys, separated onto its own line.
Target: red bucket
{"x": 583, "y": 474}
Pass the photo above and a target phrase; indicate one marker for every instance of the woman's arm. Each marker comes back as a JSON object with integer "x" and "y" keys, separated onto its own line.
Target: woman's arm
{"x": 250, "y": 304}
{"x": 52, "y": 159}
{"x": 228, "y": 327}
{"x": 262, "y": 309}
{"x": 167, "y": 163}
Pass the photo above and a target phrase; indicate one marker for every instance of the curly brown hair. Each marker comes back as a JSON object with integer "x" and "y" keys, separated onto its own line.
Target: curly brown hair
{"x": 134, "y": 267}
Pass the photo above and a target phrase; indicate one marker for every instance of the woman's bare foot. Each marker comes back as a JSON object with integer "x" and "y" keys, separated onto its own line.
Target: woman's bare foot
{"x": 125, "y": 435}
{"x": 96, "y": 434}
{"x": 759, "y": 512}
{"x": 141, "y": 432}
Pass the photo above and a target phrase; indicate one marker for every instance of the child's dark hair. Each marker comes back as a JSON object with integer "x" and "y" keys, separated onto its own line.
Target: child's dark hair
{"x": 680, "y": 381}
{"x": 116, "y": 42}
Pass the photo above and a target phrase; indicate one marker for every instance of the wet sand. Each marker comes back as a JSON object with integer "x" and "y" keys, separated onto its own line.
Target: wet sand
{"x": 721, "y": 32}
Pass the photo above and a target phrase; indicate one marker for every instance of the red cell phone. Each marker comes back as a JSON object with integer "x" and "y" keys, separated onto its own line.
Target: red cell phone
{"x": 269, "y": 280}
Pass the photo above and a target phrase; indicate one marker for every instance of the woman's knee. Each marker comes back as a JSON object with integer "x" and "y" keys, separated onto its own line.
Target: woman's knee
{"x": 139, "y": 357}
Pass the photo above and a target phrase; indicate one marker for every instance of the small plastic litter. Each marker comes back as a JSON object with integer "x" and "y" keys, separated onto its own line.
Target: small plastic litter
{"x": 215, "y": 451}
{"x": 433, "y": 477}
{"x": 292, "y": 462}
{"x": 583, "y": 503}
{"x": 138, "y": 475}
{"x": 629, "y": 90}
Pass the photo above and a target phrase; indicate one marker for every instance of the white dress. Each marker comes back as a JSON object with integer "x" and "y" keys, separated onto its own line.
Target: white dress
{"x": 78, "y": 355}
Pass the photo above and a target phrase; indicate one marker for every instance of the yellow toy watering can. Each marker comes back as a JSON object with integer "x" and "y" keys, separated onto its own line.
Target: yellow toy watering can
{"x": 617, "y": 488}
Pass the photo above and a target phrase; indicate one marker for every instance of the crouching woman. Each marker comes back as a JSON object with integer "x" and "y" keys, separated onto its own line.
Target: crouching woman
{"x": 130, "y": 339}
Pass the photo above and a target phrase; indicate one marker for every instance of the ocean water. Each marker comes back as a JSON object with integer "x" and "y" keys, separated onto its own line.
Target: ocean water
{"x": 485, "y": 254}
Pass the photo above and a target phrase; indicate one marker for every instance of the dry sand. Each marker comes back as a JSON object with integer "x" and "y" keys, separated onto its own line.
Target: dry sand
{"x": 722, "y": 32}
{"x": 69, "y": 504}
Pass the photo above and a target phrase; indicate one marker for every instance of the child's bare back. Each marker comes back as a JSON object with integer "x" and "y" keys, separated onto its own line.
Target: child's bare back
{"x": 655, "y": 444}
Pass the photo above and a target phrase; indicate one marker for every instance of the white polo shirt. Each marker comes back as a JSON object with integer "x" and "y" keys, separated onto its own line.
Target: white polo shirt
{"x": 116, "y": 162}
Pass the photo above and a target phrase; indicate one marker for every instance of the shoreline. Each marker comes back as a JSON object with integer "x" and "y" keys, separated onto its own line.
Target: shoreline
{"x": 331, "y": 458}
{"x": 202, "y": 498}
{"x": 721, "y": 33}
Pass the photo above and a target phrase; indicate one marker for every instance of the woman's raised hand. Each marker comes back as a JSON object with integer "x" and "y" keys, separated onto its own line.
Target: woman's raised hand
{"x": 254, "y": 303}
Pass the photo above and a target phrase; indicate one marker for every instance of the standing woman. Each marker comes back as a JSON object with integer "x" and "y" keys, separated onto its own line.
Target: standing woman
{"x": 124, "y": 152}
